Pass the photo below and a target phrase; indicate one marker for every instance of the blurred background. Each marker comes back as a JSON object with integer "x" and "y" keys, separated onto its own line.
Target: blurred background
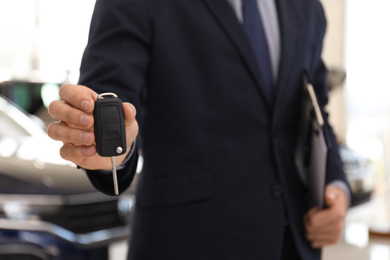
{"x": 48, "y": 208}
{"x": 41, "y": 44}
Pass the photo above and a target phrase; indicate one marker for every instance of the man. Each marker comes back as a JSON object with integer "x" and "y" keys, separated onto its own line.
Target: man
{"x": 219, "y": 179}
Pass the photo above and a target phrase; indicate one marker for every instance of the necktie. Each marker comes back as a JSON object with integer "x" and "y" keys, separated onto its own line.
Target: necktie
{"x": 255, "y": 31}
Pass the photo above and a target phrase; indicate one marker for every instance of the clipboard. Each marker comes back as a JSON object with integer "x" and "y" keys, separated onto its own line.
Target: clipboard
{"x": 312, "y": 147}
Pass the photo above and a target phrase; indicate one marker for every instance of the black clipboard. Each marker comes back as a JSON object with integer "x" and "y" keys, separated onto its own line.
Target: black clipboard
{"x": 312, "y": 147}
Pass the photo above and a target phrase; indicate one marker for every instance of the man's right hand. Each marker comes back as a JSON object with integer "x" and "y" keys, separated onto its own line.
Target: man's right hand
{"x": 75, "y": 127}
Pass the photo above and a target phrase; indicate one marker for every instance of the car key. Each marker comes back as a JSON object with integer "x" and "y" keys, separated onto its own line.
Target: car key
{"x": 110, "y": 132}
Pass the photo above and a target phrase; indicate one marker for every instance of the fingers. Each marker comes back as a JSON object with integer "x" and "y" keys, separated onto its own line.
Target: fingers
{"x": 336, "y": 210}
{"x": 78, "y": 96}
{"x": 85, "y": 156}
{"x": 322, "y": 240}
{"x": 62, "y": 111}
{"x": 324, "y": 226}
{"x": 76, "y": 154}
{"x": 75, "y": 107}
{"x": 61, "y": 132}
{"x": 318, "y": 218}
{"x": 325, "y": 235}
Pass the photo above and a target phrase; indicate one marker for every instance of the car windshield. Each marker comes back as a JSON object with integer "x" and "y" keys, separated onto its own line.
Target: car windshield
{"x": 15, "y": 123}
{"x": 9, "y": 127}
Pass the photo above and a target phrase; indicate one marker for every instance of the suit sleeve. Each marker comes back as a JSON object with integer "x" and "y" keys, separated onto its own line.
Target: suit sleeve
{"x": 116, "y": 60}
{"x": 117, "y": 55}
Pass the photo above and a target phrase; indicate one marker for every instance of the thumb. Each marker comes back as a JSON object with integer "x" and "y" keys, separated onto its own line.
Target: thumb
{"x": 129, "y": 112}
{"x": 131, "y": 123}
{"x": 330, "y": 196}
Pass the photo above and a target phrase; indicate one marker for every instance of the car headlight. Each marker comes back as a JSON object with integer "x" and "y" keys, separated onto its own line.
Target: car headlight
{"x": 16, "y": 210}
{"x": 23, "y": 207}
{"x": 125, "y": 207}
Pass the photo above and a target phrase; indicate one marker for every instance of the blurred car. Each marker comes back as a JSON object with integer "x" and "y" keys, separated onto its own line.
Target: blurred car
{"x": 48, "y": 208}
{"x": 360, "y": 173}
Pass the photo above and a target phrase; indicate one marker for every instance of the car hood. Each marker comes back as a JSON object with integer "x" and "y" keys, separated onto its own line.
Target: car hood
{"x": 32, "y": 165}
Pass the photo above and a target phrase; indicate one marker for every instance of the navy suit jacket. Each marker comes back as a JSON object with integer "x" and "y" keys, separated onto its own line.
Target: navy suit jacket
{"x": 219, "y": 180}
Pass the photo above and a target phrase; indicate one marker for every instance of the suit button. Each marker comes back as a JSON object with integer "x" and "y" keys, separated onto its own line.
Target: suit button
{"x": 276, "y": 191}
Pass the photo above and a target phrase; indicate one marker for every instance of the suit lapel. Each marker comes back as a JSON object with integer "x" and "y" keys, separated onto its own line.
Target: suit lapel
{"x": 288, "y": 44}
{"x": 226, "y": 17}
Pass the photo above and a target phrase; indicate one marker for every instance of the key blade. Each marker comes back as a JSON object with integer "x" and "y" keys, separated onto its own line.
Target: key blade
{"x": 114, "y": 176}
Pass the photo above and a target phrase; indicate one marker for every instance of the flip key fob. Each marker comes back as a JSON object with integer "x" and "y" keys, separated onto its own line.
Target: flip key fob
{"x": 110, "y": 133}
{"x": 109, "y": 126}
